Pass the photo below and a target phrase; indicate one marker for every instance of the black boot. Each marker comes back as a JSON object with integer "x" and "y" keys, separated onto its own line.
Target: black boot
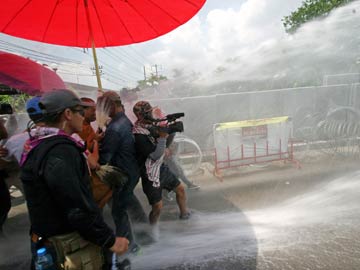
{"x": 124, "y": 265}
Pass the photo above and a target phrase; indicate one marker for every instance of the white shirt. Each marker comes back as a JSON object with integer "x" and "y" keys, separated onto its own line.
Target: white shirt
{"x": 15, "y": 146}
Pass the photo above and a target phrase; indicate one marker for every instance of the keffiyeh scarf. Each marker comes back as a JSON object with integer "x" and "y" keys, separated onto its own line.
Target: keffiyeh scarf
{"x": 152, "y": 166}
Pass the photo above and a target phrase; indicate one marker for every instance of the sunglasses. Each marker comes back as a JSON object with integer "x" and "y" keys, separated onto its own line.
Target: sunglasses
{"x": 80, "y": 111}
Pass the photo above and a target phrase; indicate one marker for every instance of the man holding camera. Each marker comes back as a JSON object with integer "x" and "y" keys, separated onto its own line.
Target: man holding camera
{"x": 155, "y": 175}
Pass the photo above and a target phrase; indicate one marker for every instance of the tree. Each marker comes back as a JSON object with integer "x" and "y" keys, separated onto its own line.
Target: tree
{"x": 17, "y": 102}
{"x": 310, "y": 10}
{"x": 152, "y": 80}
{"x": 128, "y": 95}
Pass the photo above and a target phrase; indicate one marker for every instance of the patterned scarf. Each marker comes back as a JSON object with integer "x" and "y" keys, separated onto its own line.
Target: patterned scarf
{"x": 152, "y": 166}
{"x": 38, "y": 134}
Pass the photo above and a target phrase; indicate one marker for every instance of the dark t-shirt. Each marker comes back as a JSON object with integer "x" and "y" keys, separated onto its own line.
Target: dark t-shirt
{"x": 144, "y": 147}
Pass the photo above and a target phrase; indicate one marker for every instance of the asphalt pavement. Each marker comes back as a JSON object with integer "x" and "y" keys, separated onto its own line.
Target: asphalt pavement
{"x": 276, "y": 217}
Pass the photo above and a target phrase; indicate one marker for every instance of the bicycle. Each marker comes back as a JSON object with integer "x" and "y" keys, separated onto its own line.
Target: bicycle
{"x": 188, "y": 154}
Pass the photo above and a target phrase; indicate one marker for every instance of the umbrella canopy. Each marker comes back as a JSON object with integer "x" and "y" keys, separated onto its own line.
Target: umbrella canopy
{"x": 105, "y": 23}
{"x": 26, "y": 75}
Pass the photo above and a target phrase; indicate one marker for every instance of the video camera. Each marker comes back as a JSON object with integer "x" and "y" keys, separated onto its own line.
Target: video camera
{"x": 171, "y": 126}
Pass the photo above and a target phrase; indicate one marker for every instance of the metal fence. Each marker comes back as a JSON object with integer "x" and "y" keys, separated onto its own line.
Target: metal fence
{"x": 202, "y": 112}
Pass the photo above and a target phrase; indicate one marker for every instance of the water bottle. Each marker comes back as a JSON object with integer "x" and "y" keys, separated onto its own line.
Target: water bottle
{"x": 44, "y": 260}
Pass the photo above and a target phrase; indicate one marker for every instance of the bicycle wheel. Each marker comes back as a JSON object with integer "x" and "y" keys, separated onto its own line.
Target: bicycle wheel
{"x": 188, "y": 153}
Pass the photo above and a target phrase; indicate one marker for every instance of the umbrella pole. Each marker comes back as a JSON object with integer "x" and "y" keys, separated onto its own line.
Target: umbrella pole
{"x": 100, "y": 90}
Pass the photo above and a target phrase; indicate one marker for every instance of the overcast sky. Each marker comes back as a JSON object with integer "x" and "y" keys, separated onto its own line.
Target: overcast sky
{"x": 223, "y": 29}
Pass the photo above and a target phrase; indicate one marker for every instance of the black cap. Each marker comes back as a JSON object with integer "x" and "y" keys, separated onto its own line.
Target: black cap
{"x": 58, "y": 100}
{"x": 142, "y": 107}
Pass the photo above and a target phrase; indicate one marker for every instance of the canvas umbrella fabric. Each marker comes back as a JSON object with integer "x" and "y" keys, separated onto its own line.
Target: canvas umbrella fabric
{"x": 94, "y": 23}
{"x": 26, "y": 75}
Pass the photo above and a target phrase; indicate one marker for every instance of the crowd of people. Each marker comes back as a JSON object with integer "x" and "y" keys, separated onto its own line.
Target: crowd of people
{"x": 70, "y": 171}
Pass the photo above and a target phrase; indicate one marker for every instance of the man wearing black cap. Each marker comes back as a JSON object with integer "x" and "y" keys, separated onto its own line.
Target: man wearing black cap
{"x": 56, "y": 182}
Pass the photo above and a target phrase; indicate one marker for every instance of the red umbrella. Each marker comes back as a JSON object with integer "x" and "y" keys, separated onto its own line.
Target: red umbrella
{"x": 94, "y": 23}
{"x": 26, "y": 75}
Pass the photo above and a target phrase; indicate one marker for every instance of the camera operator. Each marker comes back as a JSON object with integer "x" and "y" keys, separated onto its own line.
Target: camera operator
{"x": 155, "y": 175}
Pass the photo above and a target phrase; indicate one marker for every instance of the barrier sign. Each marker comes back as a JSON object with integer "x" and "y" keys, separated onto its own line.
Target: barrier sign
{"x": 252, "y": 141}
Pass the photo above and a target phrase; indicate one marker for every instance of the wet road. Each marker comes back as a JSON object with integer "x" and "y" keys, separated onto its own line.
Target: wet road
{"x": 272, "y": 218}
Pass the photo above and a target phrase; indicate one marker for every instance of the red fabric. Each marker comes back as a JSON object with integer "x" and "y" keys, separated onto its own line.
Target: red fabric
{"x": 114, "y": 22}
{"x": 26, "y": 75}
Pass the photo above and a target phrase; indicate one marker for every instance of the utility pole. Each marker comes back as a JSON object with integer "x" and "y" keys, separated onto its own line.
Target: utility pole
{"x": 156, "y": 71}
{"x": 155, "y": 74}
{"x": 93, "y": 69}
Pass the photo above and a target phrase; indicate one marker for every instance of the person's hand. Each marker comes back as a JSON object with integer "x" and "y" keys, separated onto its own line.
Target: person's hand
{"x": 163, "y": 134}
{"x": 93, "y": 157}
{"x": 3, "y": 151}
{"x": 120, "y": 246}
{"x": 99, "y": 135}
{"x": 167, "y": 152}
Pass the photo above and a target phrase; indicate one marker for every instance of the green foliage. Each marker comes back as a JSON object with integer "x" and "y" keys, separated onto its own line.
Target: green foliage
{"x": 310, "y": 10}
{"x": 17, "y": 102}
